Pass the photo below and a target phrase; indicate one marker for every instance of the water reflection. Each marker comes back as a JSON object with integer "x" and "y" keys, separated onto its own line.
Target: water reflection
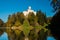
{"x": 4, "y": 36}
{"x": 50, "y": 38}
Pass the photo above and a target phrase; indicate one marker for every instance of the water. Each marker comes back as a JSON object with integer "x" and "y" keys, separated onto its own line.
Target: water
{"x": 50, "y": 38}
{"x": 4, "y": 36}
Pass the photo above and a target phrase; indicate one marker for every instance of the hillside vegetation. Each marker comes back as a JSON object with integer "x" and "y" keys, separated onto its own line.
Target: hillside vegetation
{"x": 31, "y": 27}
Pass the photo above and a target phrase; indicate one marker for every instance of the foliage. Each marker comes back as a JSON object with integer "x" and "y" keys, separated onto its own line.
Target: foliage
{"x": 55, "y": 4}
{"x": 48, "y": 20}
{"x": 26, "y": 27}
{"x": 41, "y": 35}
{"x": 21, "y": 17}
{"x": 31, "y": 18}
{"x": 41, "y": 17}
{"x": 1, "y": 23}
{"x": 32, "y": 35}
{"x": 21, "y": 36}
{"x": 17, "y": 23}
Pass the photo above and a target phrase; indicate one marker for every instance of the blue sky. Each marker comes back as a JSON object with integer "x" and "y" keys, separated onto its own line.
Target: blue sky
{"x": 12, "y": 6}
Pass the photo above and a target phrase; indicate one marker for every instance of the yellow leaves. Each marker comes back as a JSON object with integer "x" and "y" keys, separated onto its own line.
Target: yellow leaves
{"x": 17, "y": 32}
{"x": 17, "y": 29}
{"x": 17, "y": 23}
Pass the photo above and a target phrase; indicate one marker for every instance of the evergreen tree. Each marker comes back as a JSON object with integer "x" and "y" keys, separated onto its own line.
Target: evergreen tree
{"x": 21, "y": 17}
{"x": 41, "y": 17}
{"x": 32, "y": 19}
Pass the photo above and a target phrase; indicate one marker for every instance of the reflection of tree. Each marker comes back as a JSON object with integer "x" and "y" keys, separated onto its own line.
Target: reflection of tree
{"x": 54, "y": 26}
{"x": 41, "y": 35}
{"x": 32, "y": 19}
{"x": 1, "y": 25}
{"x": 11, "y": 35}
{"x": 41, "y": 17}
{"x": 32, "y": 35}
{"x": 26, "y": 28}
{"x": 21, "y": 36}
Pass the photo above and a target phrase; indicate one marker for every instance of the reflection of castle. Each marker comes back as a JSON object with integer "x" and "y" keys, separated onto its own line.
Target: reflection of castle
{"x": 29, "y": 10}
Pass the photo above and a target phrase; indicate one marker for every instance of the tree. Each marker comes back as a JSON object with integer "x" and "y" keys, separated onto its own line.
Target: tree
{"x": 31, "y": 19}
{"x": 54, "y": 25}
{"x": 11, "y": 20}
{"x": 41, "y": 17}
{"x": 21, "y": 17}
{"x": 32, "y": 35}
{"x": 49, "y": 19}
{"x": 1, "y": 23}
{"x": 21, "y": 36}
{"x": 1, "y": 27}
{"x": 45, "y": 17}
{"x": 17, "y": 23}
{"x": 41, "y": 34}
{"x": 9, "y": 17}
{"x": 55, "y": 4}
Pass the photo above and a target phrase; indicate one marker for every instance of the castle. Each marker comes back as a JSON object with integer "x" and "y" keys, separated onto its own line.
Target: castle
{"x": 28, "y": 11}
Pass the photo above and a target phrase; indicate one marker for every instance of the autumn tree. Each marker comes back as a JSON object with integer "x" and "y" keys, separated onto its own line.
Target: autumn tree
{"x": 49, "y": 19}
{"x": 31, "y": 18}
{"x": 21, "y": 17}
{"x": 41, "y": 17}
{"x": 21, "y": 36}
{"x": 1, "y": 27}
{"x": 41, "y": 35}
{"x": 11, "y": 20}
{"x": 1, "y": 23}
{"x": 55, "y": 4}
{"x": 32, "y": 35}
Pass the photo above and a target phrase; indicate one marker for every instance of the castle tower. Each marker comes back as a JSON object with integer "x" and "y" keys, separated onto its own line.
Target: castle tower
{"x": 28, "y": 11}
{"x": 29, "y": 7}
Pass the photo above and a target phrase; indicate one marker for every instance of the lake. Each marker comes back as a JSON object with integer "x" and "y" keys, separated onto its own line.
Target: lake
{"x": 4, "y": 36}
{"x": 50, "y": 38}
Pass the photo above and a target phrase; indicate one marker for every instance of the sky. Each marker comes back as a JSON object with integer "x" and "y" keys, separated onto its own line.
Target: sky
{"x": 8, "y": 7}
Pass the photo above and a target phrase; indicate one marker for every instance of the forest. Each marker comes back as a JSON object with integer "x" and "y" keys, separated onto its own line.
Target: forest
{"x": 32, "y": 26}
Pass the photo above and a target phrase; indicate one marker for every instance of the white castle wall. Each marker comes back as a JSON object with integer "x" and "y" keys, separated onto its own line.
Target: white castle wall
{"x": 29, "y": 10}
